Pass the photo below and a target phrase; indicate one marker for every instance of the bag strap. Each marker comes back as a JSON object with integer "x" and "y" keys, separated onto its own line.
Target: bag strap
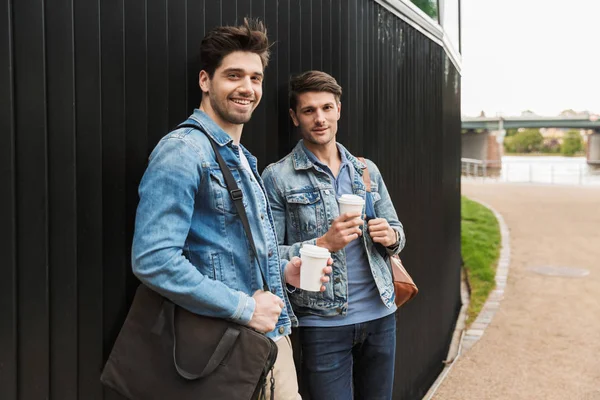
{"x": 370, "y": 207}
{"x": 366, "y": 177}
{"x": 236, "y": 195}
{"x": 223, "y": 347}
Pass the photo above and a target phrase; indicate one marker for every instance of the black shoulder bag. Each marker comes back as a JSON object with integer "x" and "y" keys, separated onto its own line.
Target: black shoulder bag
{"x": 166, "y": 352}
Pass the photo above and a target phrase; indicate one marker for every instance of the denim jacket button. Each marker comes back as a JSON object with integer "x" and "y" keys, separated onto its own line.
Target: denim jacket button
{"x": 337, "y": 280}
{"x": 338, "y": 310}
{"x": 281, "y": 329}
{"x": 262, "y": 216}
{"x": 270, "y": 253}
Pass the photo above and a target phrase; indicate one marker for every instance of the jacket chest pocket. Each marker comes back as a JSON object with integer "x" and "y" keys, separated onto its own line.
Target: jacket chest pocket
{"x": 220, "y": 193}
{"x": 305, "y": 213}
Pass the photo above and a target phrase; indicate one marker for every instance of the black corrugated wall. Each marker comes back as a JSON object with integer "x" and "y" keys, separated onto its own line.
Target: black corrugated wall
{"x": 88, "y": 88}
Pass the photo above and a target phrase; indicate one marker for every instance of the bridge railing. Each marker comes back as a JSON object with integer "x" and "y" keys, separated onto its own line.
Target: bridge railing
{"x": 522, "y": 172}
{"x": 472, "y": 167}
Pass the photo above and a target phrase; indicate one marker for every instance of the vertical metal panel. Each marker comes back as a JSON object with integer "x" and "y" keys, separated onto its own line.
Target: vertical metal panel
{"x": 177, "y": 48}
{"x": 115, "y": 263}
{"x": 325, "y": 46}
{"x": 335, "y": 40}
{"x": 261, "y": 135}
{"x": 136, "y": 115}
{"x": 295, "y": 36}
{"x": 316, "y": 34}
{"x": 8, "y": 283}
{"x": 345, "y": 46}
{"x": 304, "y": 38}
{"x": 62, "y": 232}
{"x": 229, "y": 11}
{"x": 271, "y": 108}
{"x": 88, "y": 110}
{"x": 283, "y": 63}
{"x": 212, "y": 14}
{"x": 157, "y": 64}
{"x": 32, "y": 213}
{"x": 195, "y": 22}
{"x": 352, "y": 86}
{"x": 114, "y": 77}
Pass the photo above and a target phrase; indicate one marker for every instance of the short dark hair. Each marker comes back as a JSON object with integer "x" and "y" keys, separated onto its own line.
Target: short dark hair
{"x": 219, "y": 42}
{"x": 313, "y": 81}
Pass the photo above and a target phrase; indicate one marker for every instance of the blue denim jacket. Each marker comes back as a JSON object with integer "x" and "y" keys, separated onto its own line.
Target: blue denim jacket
{"x": 304, "y": 205}
{"x": 189, "y": 243}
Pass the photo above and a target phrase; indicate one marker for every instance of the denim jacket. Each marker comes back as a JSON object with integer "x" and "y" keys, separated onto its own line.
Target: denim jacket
{"x": 189, "y": 243}
{"x": 304, "y": 205}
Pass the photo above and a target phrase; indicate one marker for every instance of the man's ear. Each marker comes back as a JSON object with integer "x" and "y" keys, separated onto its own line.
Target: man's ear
{"x": 339, "y": 110}
{"x": 294, "y": 118}
{"x": 203, "y": 81}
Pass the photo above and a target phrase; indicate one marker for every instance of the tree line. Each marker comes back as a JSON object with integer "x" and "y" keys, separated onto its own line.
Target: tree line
{"x": 532, "y": 141}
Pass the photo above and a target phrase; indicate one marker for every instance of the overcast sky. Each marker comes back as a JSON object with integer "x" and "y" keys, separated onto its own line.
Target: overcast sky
{"x": 539, "y": 55}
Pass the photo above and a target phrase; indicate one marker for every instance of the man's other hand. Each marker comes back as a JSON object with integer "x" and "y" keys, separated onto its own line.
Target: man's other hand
{"x": 381, "y": 232}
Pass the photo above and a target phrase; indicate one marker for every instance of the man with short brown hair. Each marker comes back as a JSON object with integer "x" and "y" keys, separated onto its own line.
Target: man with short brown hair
{"x": 189, "y": 243}
{"x": 347, "y": 332}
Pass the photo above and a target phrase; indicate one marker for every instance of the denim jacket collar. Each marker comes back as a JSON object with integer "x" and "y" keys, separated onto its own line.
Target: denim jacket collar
{"x": 223, "y": 139}
{"x": 211, "y": 128}
{"x": 302, "y": 161}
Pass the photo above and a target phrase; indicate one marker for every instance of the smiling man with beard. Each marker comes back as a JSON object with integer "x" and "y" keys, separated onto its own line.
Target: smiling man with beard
{"x": 347, "y": 332}
{"x": 189, "y": 243}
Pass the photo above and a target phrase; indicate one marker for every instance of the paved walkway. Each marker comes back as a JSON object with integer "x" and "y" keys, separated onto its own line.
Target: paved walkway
{"x": 544, "y": 341}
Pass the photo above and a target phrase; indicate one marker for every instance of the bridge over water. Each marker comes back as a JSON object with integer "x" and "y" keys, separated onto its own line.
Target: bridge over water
{"x": 498, "y": 123}
{"x": 479, "y": 146}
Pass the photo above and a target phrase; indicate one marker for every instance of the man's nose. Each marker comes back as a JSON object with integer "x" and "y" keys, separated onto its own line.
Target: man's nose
{"x": 319, "y": 117}
{"x": 246, "y": 85}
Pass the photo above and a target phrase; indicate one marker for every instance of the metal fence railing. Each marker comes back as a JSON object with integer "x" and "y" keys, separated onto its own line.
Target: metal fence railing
{"x": 530, "y": 172}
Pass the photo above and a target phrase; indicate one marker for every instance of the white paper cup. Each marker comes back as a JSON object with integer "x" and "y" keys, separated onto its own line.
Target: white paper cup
{"x": 351, "y": 203}
{"x": 314, "y": 259}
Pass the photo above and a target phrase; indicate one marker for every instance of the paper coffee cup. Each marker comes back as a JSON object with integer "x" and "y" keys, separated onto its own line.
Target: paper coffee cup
{"x": 314, "y": 259}
{"x": 351, "y": 203}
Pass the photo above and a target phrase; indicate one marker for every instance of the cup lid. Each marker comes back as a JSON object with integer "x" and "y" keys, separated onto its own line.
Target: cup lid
{"x": 315, "y": 251}
{"x": 350, "y": 199}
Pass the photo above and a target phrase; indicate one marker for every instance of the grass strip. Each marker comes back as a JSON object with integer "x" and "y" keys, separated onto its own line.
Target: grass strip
{"x": 481, "y": 241}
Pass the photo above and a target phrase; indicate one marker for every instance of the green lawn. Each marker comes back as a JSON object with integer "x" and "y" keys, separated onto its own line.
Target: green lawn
{"x": 480, "y": 238}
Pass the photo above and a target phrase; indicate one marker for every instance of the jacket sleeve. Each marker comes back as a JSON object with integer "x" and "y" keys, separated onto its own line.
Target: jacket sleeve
{"x": 384, "y": 208}
{"x": 164, "y": 214}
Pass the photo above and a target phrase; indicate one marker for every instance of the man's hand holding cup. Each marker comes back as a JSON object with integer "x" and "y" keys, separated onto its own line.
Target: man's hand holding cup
{"x": 293, "y": 271}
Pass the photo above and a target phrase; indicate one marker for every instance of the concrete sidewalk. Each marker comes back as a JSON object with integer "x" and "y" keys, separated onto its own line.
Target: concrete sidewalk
{"x": 544, "y": 341}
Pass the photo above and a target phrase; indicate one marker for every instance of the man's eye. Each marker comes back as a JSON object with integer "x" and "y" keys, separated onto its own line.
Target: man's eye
{"x": 232, "y": 76}
{"x": 307, "y": 111}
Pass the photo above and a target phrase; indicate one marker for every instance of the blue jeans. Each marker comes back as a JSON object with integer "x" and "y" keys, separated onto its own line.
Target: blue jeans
{"x": 350, "y": 362}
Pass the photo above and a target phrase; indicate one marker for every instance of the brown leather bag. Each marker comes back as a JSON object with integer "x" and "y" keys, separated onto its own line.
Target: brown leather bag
{"x": 166, "y": 352}
{"x": 404, "y": 286}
